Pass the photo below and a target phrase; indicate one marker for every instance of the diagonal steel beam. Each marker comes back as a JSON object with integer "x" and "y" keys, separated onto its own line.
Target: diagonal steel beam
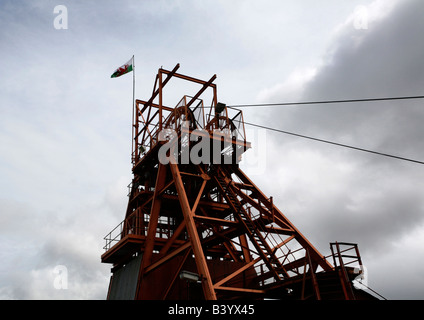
{"x": 199, "y": 256}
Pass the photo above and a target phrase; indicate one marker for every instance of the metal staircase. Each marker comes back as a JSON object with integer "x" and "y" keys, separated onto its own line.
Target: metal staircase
{"x": 252, "y": 229}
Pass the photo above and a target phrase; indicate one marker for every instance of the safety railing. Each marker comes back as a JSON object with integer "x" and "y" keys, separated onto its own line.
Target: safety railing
{"x": 113, "y": 237}
{"x": 136, "y": 224}
{"x": 133, "y": 224}
{"x": 345, "y": 254}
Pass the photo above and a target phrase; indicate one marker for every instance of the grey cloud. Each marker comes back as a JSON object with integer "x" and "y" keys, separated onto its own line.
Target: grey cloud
{"x": 380, "y": 201}
{"x": 65, "y": 126}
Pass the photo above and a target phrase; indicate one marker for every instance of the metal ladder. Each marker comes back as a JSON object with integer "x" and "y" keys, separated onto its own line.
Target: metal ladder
{"x": 258, "y": 241}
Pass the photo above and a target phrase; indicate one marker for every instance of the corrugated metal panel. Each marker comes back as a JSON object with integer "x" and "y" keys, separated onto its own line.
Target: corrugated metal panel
{"x": 124, "y": 281}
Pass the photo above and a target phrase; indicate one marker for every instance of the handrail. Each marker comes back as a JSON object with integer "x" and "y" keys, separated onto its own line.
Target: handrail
{"x": 108, "y": 238}
{"x": 347, "y": 286}
{"x": 135, "y": 224}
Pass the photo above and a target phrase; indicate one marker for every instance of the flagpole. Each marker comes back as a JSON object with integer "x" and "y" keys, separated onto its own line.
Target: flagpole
{"x": 133, "y": 111}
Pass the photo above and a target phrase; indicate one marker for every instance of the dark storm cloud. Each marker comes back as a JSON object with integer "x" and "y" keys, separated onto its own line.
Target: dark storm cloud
{"x": 381, "y": 61}
{"x": 378, "y": 201}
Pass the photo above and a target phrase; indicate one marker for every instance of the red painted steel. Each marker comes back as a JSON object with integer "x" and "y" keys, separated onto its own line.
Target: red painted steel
{"x": 204, "y": 229}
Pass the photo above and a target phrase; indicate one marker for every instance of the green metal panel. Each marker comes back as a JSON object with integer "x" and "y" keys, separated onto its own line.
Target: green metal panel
{"x": 124, "y": 281}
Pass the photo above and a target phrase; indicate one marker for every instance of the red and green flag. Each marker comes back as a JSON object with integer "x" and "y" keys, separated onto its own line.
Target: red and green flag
{"x": 128, "y": 67}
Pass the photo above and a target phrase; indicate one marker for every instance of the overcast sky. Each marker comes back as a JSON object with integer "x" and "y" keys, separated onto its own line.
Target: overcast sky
{"x": 65, "y": 125}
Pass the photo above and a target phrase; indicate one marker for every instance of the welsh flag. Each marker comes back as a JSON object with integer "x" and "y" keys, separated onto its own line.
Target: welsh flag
{"x": 128, "y": 67}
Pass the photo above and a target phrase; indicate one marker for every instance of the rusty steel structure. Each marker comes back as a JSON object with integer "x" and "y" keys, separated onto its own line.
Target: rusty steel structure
{"x": 196, "y": 226}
